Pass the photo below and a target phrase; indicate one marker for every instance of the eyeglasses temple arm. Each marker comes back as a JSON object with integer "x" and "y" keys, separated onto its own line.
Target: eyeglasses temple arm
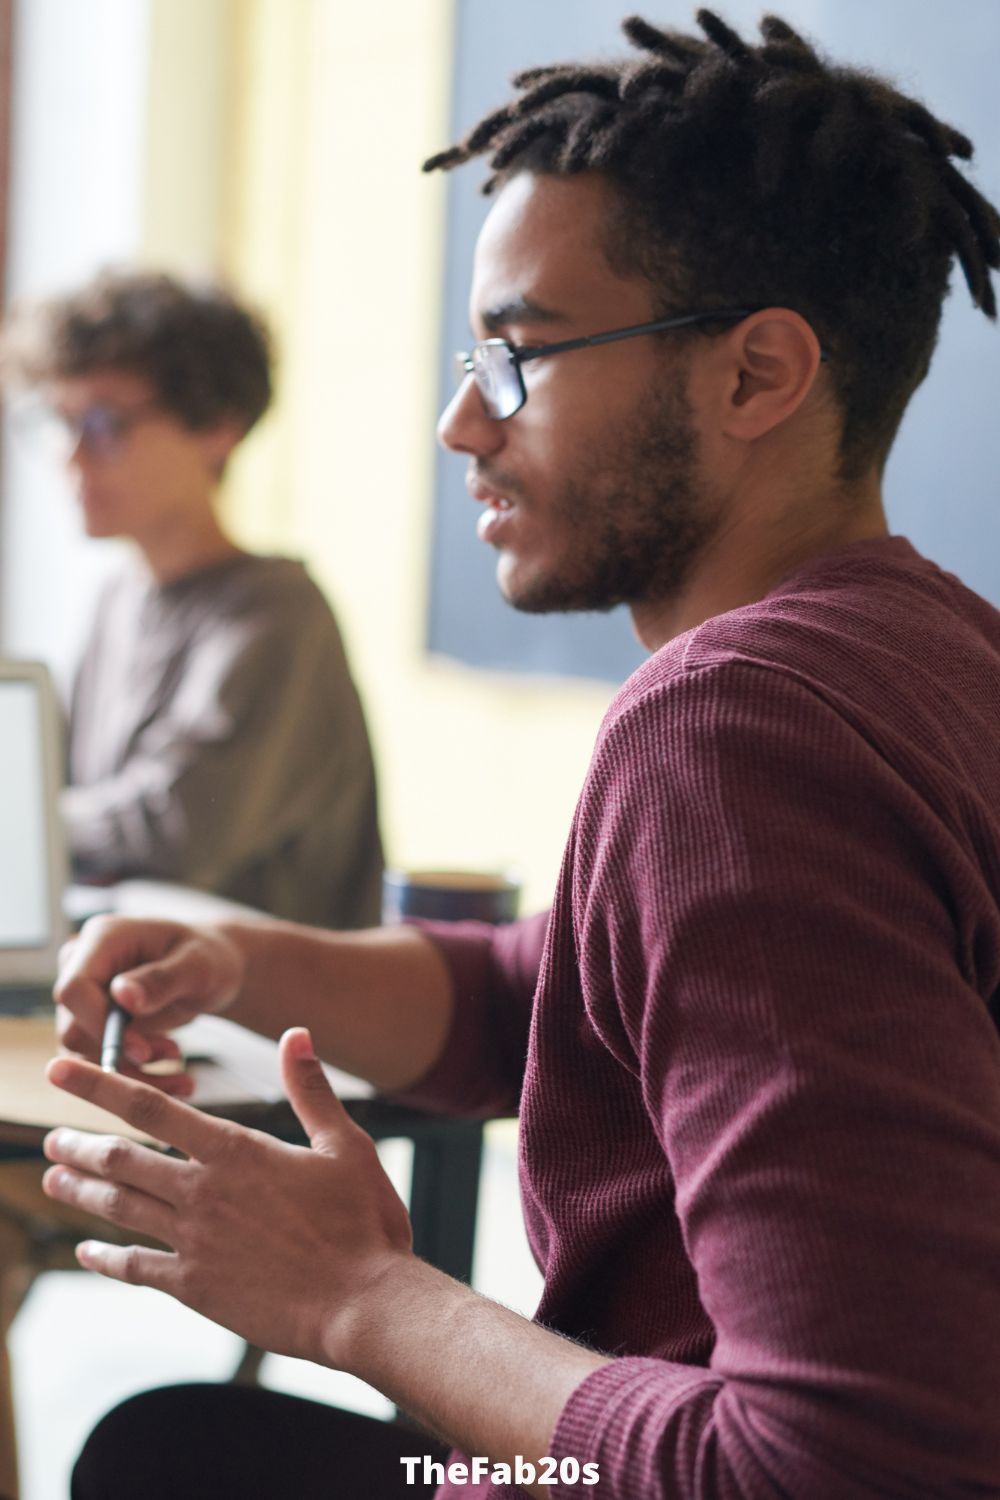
{"x": 662, "y": 325}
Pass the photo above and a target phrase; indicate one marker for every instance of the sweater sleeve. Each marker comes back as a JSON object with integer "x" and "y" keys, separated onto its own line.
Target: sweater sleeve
{"x": 798, "y": 954}
{"x": 493, "y": 972}
{"x": 260, "y": 734}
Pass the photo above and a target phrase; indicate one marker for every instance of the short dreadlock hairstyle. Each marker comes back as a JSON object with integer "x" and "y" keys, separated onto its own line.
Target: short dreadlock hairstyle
{"x": 207, "y": 357}
{"x": 759, "y": 176}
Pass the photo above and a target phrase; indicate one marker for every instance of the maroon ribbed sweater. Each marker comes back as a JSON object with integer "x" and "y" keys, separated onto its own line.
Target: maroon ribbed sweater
{"x": 760, "y": 1154}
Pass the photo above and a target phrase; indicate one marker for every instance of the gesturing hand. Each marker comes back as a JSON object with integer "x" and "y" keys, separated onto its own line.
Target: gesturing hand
{"x": 277, "y": 1242}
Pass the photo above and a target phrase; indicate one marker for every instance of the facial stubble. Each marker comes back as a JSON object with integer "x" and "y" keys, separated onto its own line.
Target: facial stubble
{"x": 635, "y": 514}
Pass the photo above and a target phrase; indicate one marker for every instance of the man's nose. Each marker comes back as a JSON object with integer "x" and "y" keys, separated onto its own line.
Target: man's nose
{"x": 464, "y": 427}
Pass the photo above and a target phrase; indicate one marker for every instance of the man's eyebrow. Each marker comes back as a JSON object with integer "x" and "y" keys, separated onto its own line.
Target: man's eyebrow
{"x": 518, "y": 310}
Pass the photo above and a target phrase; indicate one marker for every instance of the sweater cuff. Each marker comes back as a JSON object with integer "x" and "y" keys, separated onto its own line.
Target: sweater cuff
{"x": 466, "y": 949}
{"x": 616, "y": 1419}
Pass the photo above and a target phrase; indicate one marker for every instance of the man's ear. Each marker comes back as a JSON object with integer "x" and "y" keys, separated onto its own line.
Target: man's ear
{"x": 772, "y": 362}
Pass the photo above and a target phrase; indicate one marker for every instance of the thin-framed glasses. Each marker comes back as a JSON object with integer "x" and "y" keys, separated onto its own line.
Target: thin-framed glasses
{"x": 101, "y": 431}
{"x": 495, "y": 364}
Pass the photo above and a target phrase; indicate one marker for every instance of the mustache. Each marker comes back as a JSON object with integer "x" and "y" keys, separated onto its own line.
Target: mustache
{"x": 497, "y": 480}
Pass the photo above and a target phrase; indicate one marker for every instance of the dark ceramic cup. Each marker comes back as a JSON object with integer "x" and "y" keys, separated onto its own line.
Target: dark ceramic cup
{"x": 449, "y": 896}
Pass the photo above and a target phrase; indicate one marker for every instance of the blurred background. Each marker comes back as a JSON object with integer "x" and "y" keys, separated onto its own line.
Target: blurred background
{"x": 278, "y": 145}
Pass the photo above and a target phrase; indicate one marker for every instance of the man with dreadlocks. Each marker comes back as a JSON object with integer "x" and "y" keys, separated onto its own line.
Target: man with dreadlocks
{"x": 761, "y": 1099}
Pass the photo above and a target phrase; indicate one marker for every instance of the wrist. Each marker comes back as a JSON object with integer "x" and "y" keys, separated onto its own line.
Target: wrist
{"x": 374, "y": 1334}
{"x": 231, "y": 940}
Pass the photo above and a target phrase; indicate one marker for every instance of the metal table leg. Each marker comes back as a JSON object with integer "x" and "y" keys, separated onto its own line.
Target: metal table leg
{"x": 444, "y": 1196}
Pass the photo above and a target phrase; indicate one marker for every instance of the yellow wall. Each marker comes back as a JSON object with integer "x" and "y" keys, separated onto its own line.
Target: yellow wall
{"x": 190, "y": 97}
{"x": 326, "y": 222}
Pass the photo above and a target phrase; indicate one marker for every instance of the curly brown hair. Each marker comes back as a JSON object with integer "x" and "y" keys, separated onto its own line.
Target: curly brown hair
{"x": 756, "y": 176}
{"x": 207, "y": 357}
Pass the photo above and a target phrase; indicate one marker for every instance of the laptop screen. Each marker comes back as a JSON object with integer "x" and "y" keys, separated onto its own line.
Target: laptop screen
{"x": 31, "y": 869}
{"x": 24, "y": 884}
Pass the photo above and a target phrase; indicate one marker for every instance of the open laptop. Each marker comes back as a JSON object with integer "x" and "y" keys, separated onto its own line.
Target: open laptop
{"x": 32, "y": 854}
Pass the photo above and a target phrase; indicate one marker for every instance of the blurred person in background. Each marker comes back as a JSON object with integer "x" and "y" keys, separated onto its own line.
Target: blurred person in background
{"x": 215, "y": 736}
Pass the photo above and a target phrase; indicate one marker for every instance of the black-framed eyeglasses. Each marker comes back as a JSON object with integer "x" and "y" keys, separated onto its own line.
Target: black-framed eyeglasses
{"x": 102, "y": 431}
{"x": 495, "y": 364}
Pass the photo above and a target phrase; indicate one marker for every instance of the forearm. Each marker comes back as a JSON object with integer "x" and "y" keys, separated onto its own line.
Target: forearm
{"x": 477, "y": 1374}
{"x": 378, "y": 1003}
{"x": 110, "y": 830}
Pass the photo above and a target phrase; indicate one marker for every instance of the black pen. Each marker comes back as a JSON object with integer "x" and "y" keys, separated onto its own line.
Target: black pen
{"x": 111, "y": 1041}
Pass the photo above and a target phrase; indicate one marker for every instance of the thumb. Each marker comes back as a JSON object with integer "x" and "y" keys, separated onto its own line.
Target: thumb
{"x": 153, "y": 986}
{"x": 323, "y": 1117}
{"x": 185, "y": 973}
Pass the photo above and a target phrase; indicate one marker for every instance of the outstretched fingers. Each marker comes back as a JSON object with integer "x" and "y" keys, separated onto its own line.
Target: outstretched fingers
{"x": 132, "y": 1186}
{"x": 144, "y": 1107}
{"x": 131, "y": 1263}
{"x": 115, "y": 1159}
{"x": 125, "y": 1207}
